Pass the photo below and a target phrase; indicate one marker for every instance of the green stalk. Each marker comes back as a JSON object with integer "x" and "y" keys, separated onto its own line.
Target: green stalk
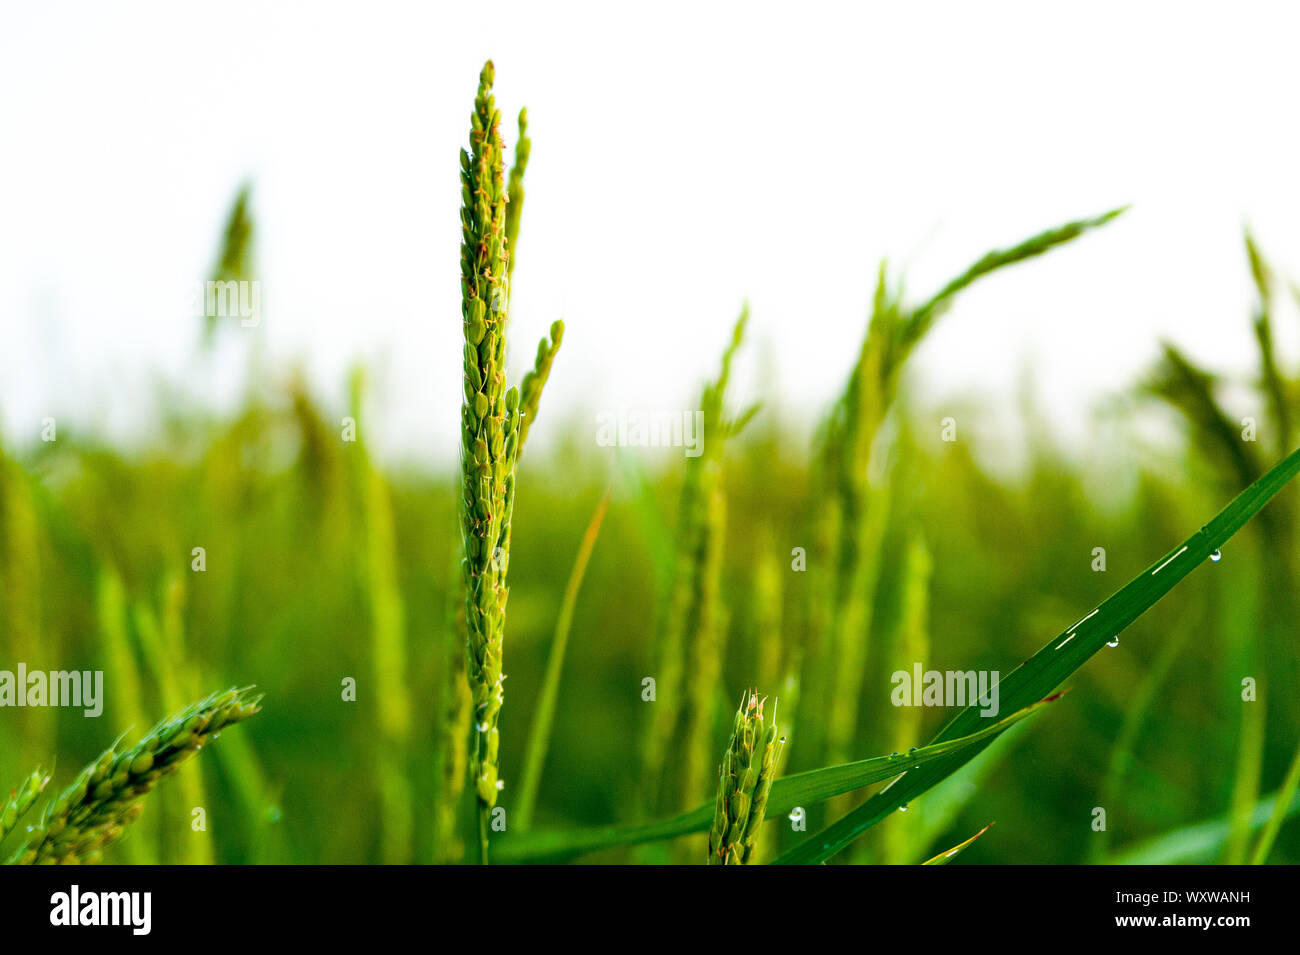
{"x": 539, "y": 734}
{"x": 900, "y": 835}
{"x": 768, "y": 644}
{"x": 128, "y": 706}
{"x": 167, "y": 670}
{"x": 708, "y": 649}
{"x": 392, "y": 713}
{"x": 700, "y": 508}
{"x": 1246, "y": 778}
{"x": 20, "y": 599}
{"x": 455, "y": 703}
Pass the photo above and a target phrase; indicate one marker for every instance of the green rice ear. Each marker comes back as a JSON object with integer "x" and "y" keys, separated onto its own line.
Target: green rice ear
{"x": 106, "y": 796}
{"x": 21, "y": 800}
{"x": 530, "y": 389}
{"x": 744, "y": 783}
{"x": 515, "y": 192}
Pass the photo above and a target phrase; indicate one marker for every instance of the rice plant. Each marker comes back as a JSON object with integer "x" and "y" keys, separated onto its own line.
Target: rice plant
{"x": 960, "y": 740}
{"x": 328, "y": 563}
{"x": 690, "y": 644}
{"x": 494, "y": 423}
{"x": 1232, "y": 449}
{"x": 106, "y": 797}
{"x": 851, "y": 510}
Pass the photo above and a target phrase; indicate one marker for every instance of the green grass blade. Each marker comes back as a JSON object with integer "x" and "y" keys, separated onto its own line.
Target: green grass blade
{"x": 1245, "y": 785}
{"x": 653, "y": 523}
{"x": 801, "y": 789}
{"x": 1059, "y": 658}
{"x": 189, "y": 790}
{"x": 1286, "y": 797}
{"x": 943, "y": 858}
{"x": 120, "y": 657}
{"x": 1121, "y": 753}
{"x": 1201, "y": 842}
{"x": 539, "y": 735}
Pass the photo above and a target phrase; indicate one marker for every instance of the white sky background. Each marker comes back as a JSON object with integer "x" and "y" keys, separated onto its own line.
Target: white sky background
{"x": 685, "y": 157}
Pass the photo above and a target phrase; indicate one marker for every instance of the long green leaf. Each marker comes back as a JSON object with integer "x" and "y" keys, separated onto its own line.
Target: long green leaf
{"x": 539, "y": 735}
{"x": 1059, "y": 658}
{"x": 801, "y": 789}
{"x": 1202, "y": 841}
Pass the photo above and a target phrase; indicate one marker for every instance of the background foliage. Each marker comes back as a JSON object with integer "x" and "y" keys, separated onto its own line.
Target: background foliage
{"x": 324, "y": 564}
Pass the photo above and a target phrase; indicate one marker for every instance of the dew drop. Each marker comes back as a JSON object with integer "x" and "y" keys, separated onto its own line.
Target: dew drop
{"x": 501, "y": 784}
{"x": 895, "y": 755}
{"x": 1113, "y": 643}
{"x": 911, "y": 751}
{"x": 902, "y": 808}
{"x": 1216, "y": 557}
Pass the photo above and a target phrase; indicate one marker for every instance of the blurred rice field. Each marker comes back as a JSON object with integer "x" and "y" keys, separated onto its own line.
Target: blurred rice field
{"x": 322, "y": 565}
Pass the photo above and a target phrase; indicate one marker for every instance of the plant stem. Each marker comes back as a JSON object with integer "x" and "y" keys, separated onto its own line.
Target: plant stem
{"x": 544, "y": 716}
